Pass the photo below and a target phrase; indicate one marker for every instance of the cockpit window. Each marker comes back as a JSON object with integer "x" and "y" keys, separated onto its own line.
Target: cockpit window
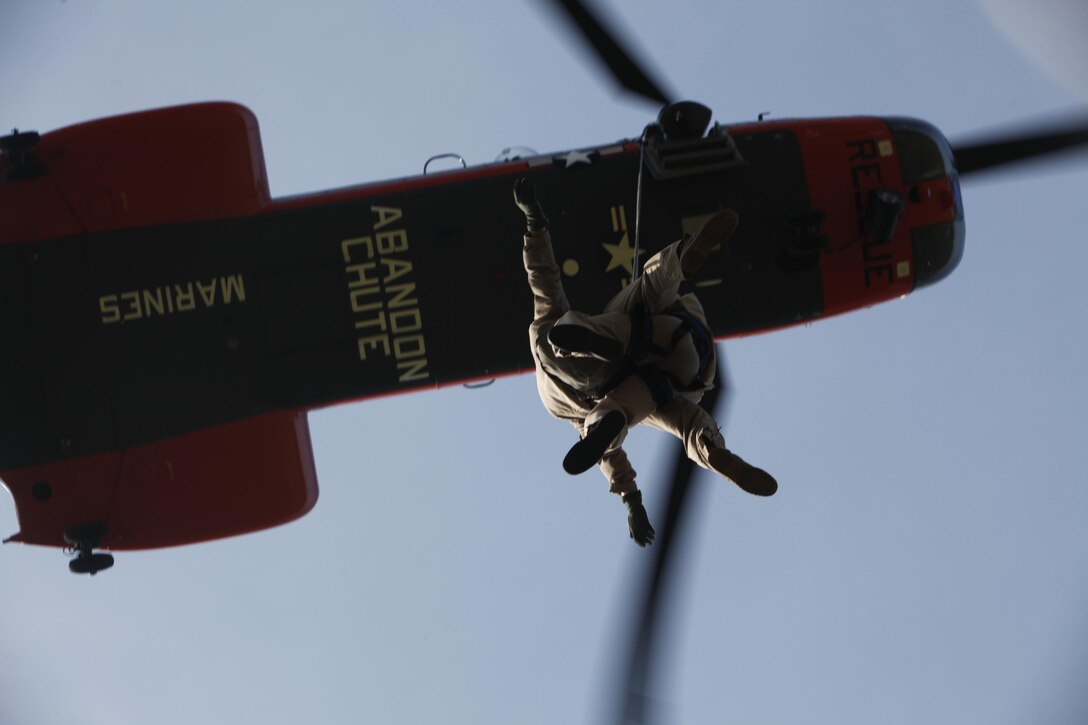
{"x": 924, "y": 154}
{"x": 938, "y": 249}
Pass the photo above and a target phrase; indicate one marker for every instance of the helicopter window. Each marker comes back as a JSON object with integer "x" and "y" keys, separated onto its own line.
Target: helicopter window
{"x": 923, "y": 152}
{"x": 938, "y": 248}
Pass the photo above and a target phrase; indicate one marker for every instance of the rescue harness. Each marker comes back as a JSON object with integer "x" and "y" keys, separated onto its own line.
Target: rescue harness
{"x": 661, "y": 384}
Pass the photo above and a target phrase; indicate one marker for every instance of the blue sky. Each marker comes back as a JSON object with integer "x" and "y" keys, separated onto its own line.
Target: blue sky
{"x": 924, "y": 561}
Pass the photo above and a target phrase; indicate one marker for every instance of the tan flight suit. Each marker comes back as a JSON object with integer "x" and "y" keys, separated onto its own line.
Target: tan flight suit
{"x": 566, "y": 382}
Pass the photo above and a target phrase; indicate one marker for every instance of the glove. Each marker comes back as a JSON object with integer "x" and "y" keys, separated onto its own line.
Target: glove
{"x": 638, "y": 523}
{"x": 525, "y": 198}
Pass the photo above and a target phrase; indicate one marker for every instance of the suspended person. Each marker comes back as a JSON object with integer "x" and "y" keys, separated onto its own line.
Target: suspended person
{"x": 647, "y": 358}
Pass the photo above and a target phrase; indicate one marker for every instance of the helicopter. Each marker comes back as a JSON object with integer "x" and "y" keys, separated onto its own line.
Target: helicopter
{"x": 259, "y": 309}
{"x": 122, "y": 290}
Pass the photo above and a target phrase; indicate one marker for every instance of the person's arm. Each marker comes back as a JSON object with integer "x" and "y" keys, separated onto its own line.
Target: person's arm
{"x": 525, "y": 198}
{"x": 621, "y": 480}
{"x": 619, "y": 472}
{"x": 549, "y": 299}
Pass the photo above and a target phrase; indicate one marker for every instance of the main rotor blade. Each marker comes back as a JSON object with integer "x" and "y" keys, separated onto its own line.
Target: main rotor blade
{"x": 1011, "y": 147}
{"x": 627, "y": 71}
{"x": 634, "y": 706}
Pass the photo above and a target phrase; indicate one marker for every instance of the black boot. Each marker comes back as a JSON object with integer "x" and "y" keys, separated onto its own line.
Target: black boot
{"x": 584, "y": 454}
{"x": 753, "y": 480}
{"x": 575, "y": 338}
{"x": 716, "y": 230}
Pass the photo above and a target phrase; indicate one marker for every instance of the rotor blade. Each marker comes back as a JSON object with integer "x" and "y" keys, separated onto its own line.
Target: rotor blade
{"x": 1011, "y": 147}
{"x": 605, "y": 44}
{"x": 634, "y": 706}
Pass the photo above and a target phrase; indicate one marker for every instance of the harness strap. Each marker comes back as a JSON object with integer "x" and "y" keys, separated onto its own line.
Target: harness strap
{"x": 658, "y": 382}
{"x": 662, "y": 384}
{"x": 642, "y": 342}
{"x": 614, "y": 381}
{"x": 703, "y": 341}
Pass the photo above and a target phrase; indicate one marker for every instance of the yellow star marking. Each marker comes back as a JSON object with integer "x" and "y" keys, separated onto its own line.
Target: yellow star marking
{"x": 621, "y": 254}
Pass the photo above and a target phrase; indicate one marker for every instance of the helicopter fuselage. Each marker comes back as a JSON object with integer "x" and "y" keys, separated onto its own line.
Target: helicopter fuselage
{"x": 168, "y": 322}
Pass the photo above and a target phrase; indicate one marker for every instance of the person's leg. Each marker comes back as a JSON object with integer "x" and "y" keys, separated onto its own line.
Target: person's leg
{"x": 605, "y": 427}
{"x": 703, "y": 444}
{"x": 607, "y": 336}
{"x": 603, "y": 336}
{"x": 656, "y": 288}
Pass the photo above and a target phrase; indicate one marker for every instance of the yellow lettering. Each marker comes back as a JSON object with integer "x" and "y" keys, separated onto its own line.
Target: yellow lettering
{"x": 395, "y": 240}
{"x": 396, "y": 268}
{"x": 384, "y": 303}
{"x": 153, "y": 301}
{"x": 379, "y": 321}
{"x": 108, "y": 306}
{"x": 413, "y": 370}
{"x": 347, "y": 244}
{"x": 386, "y": 215}
{"x": 373, "y": 342}
{"x": 184, "y": 298}
{"x": 398, "y": 324}
{"x": 207, "y": 293}
{"x": 234, "y": 285}
{"x": 402, "y": 347}
{"x": 158, "y": 301}
{"x": 399, "y": 293}
{"x": 357, "y": 297}
{"x": 359, "y": 271}
{"x": 134, "y": 311}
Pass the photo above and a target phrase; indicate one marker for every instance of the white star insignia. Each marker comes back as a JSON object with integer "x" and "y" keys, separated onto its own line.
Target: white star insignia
{"x": 575, "y": 157}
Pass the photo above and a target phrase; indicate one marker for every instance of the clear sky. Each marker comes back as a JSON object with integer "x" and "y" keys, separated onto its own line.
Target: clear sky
{"x": 926, "y": 559}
